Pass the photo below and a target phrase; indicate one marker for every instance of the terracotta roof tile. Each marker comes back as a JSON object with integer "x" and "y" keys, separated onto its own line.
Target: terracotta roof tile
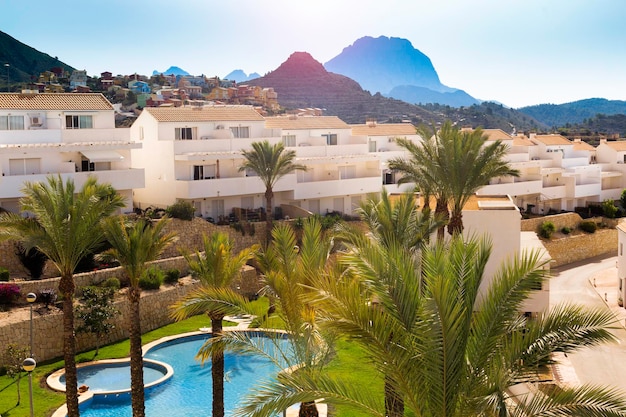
{"x": 553, "y": 140}
{"x": 384, "y": 129}
{"x": 305, "y": 122}
{"x": 496, "y": 134}
{"x": 521, "y": 140}
{"x": 580, "y": 145}
{"x": 204, "y": 114}
{"x": 54, "y": 101}
{"x": 619, "y": 145}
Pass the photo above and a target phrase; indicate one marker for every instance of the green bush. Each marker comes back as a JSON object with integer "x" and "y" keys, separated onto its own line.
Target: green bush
{"x": 4, "y": 274}
{"x": 171, "y": 276}
{"x": 566, "y": 230}
{"x": 111, "y": 283}
{"x": 183, "y": 210}
{"x": 588, "y": 226}
{"x": 609, "y": 209}
{"x": 151, "y": 279}
{"x": 546, "y": 229}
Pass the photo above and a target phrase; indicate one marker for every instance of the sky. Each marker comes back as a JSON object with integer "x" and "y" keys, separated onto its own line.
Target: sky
{"x": 516, "y": 52}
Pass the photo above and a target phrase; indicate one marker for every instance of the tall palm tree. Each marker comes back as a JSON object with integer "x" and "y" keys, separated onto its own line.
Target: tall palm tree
{"x": 453, "y": 351}
{"x": 469, "y": 162}
{"x": 134, "y": 243}
{"x": 421, "y": 168}
{"x": 64, "y": 227}
{"x": 270, "y": 163}
{"x": 217, "y": 267}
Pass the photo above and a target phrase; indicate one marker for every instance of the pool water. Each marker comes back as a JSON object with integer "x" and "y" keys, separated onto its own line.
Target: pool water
{"x": 189, "y": 392}
{"x": 114, "y": 376}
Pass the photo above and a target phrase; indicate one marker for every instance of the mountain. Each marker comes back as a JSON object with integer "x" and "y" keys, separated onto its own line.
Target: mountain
{"x": 239, "y": 76}
{"x": 24, "y": 61}
{"x": 302, "y": 82}
{"x": 171, "y": 71}
{"x": 396, "y": 69}
{"x": 575, "y": 112}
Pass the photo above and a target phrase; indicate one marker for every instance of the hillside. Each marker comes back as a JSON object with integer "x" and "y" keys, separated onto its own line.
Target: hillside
{"x": 575, "y": 112}
{"x": 302, "y": 82}
{"x": 25, "y": 62}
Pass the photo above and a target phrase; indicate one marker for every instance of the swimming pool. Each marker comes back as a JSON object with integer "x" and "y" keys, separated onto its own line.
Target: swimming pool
{"x": 189, "y": 391}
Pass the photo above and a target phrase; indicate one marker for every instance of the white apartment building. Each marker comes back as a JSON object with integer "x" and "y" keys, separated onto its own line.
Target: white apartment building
{"x": 194, "y": 153}
{"x": 70, "y": 134}
{"x": 555, "y": 173}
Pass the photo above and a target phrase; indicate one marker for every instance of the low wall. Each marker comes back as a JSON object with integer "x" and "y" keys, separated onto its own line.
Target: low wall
{"x": 154, "y": 311}
{"x": 580, "y": 247}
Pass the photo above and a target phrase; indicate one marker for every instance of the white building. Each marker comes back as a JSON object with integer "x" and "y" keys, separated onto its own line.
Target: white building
{"x": 193, "y": 154}
{"x": 69, "y": 134}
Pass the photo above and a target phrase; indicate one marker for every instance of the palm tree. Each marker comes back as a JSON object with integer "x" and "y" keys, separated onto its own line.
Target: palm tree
{"x": 133, "y": 245}
{"x": 468, "y": 164}
{"x": 64, "y": 227}
{"x": 270, "y": 163}
{"x": 453, "y": 351}
{"x": 421, "y": 168}
{"x": 217, "y": 267}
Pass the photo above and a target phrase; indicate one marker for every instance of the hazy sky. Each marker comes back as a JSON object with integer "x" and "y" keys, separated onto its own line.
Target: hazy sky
{"x": 518, "y": 52}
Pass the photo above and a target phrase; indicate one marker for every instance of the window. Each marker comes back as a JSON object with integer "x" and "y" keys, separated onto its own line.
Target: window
{"x": 247, "y": 202}
{"x": 331, "y": 139}
{"x": 184, "y": 133}
{"x": 240, "y": 131}
{"x": 250, "y": 173}
{"x": 289, "y": 140}
{"x": 389, "y": 177}
{"x": 347, "y": 172}
{"x": 11, "y": 122}
{"x": 78, "y": 122}
{"x": 204, "y": 172}
{"x": 372, "y": 146}
{"x": 24, "y": 166}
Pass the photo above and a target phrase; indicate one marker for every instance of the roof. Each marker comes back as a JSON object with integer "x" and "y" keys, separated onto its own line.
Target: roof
{"x": 204, "y": 114}
{"x": 552, "y": 139}
{"x": 496, "y": 134}
{"x": 580, "y": 145}
{"x": 384, "y": 129}
{"x": 618, "y": 146}
{"x": 54, "y": 101}
{"x": 305, "y": 122}
{"x": 522, "y": 141}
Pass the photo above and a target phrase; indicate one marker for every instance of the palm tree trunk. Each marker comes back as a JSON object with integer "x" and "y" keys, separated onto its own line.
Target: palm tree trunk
{"x": 455, "y": 226}
{"x": 217, "y": 370}
{"x": 136, "y": 359}
{"x": 308, "y": 409}
{"x": 394, "y": 404}
{"x": 67, "y": 287}
{"x": 441, "y": 209}
{"x": 269, "y": 218}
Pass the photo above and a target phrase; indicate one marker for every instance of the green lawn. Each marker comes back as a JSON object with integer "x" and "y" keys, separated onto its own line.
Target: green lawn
{"x": 350, "y": 364}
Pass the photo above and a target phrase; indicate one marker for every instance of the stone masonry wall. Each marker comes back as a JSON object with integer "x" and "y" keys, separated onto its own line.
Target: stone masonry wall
{"x": 580, "y": 247}
{"x": 48, "y": 327}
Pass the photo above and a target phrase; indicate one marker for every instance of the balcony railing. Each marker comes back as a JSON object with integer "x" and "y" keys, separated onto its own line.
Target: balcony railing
{"x": 228, "y": 187}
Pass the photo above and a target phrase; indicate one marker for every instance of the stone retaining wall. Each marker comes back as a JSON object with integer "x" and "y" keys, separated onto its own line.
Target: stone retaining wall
{"x": 48, "y": 326}
{"x": 580, "y": 247}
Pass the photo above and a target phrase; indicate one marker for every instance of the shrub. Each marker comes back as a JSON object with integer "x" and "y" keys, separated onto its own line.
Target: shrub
{"x": 588, "y": 226}
{"x": 609, "y": 209}
{"x": 47, "y": 296}
{"x": 183, "y": 210}
{"x": 546, "y": 229}
{"x": 9, "y": 293}
{"x": 4, "y": 274}
{"x": 111, "y": 283}
{"x": 151, "y": 279}
{"x": 566, "y": 230}
{"x": 171, "y": 276}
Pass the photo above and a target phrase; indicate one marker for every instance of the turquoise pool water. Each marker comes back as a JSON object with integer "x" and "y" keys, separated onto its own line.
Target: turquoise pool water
{"x": 188, "y": 392}
{"x": 114, "y": 376}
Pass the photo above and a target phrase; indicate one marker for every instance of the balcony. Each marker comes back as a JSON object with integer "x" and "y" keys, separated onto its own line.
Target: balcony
{"x": 518, "y": 188}
{"x": 218, "y": 145}
{"x": 553, "y": 192}
{"x": 229, "y": 187}
{"x": 587, "y": 190}
{"x": 331, "y": 188}
{"x": 123, "y": 179}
